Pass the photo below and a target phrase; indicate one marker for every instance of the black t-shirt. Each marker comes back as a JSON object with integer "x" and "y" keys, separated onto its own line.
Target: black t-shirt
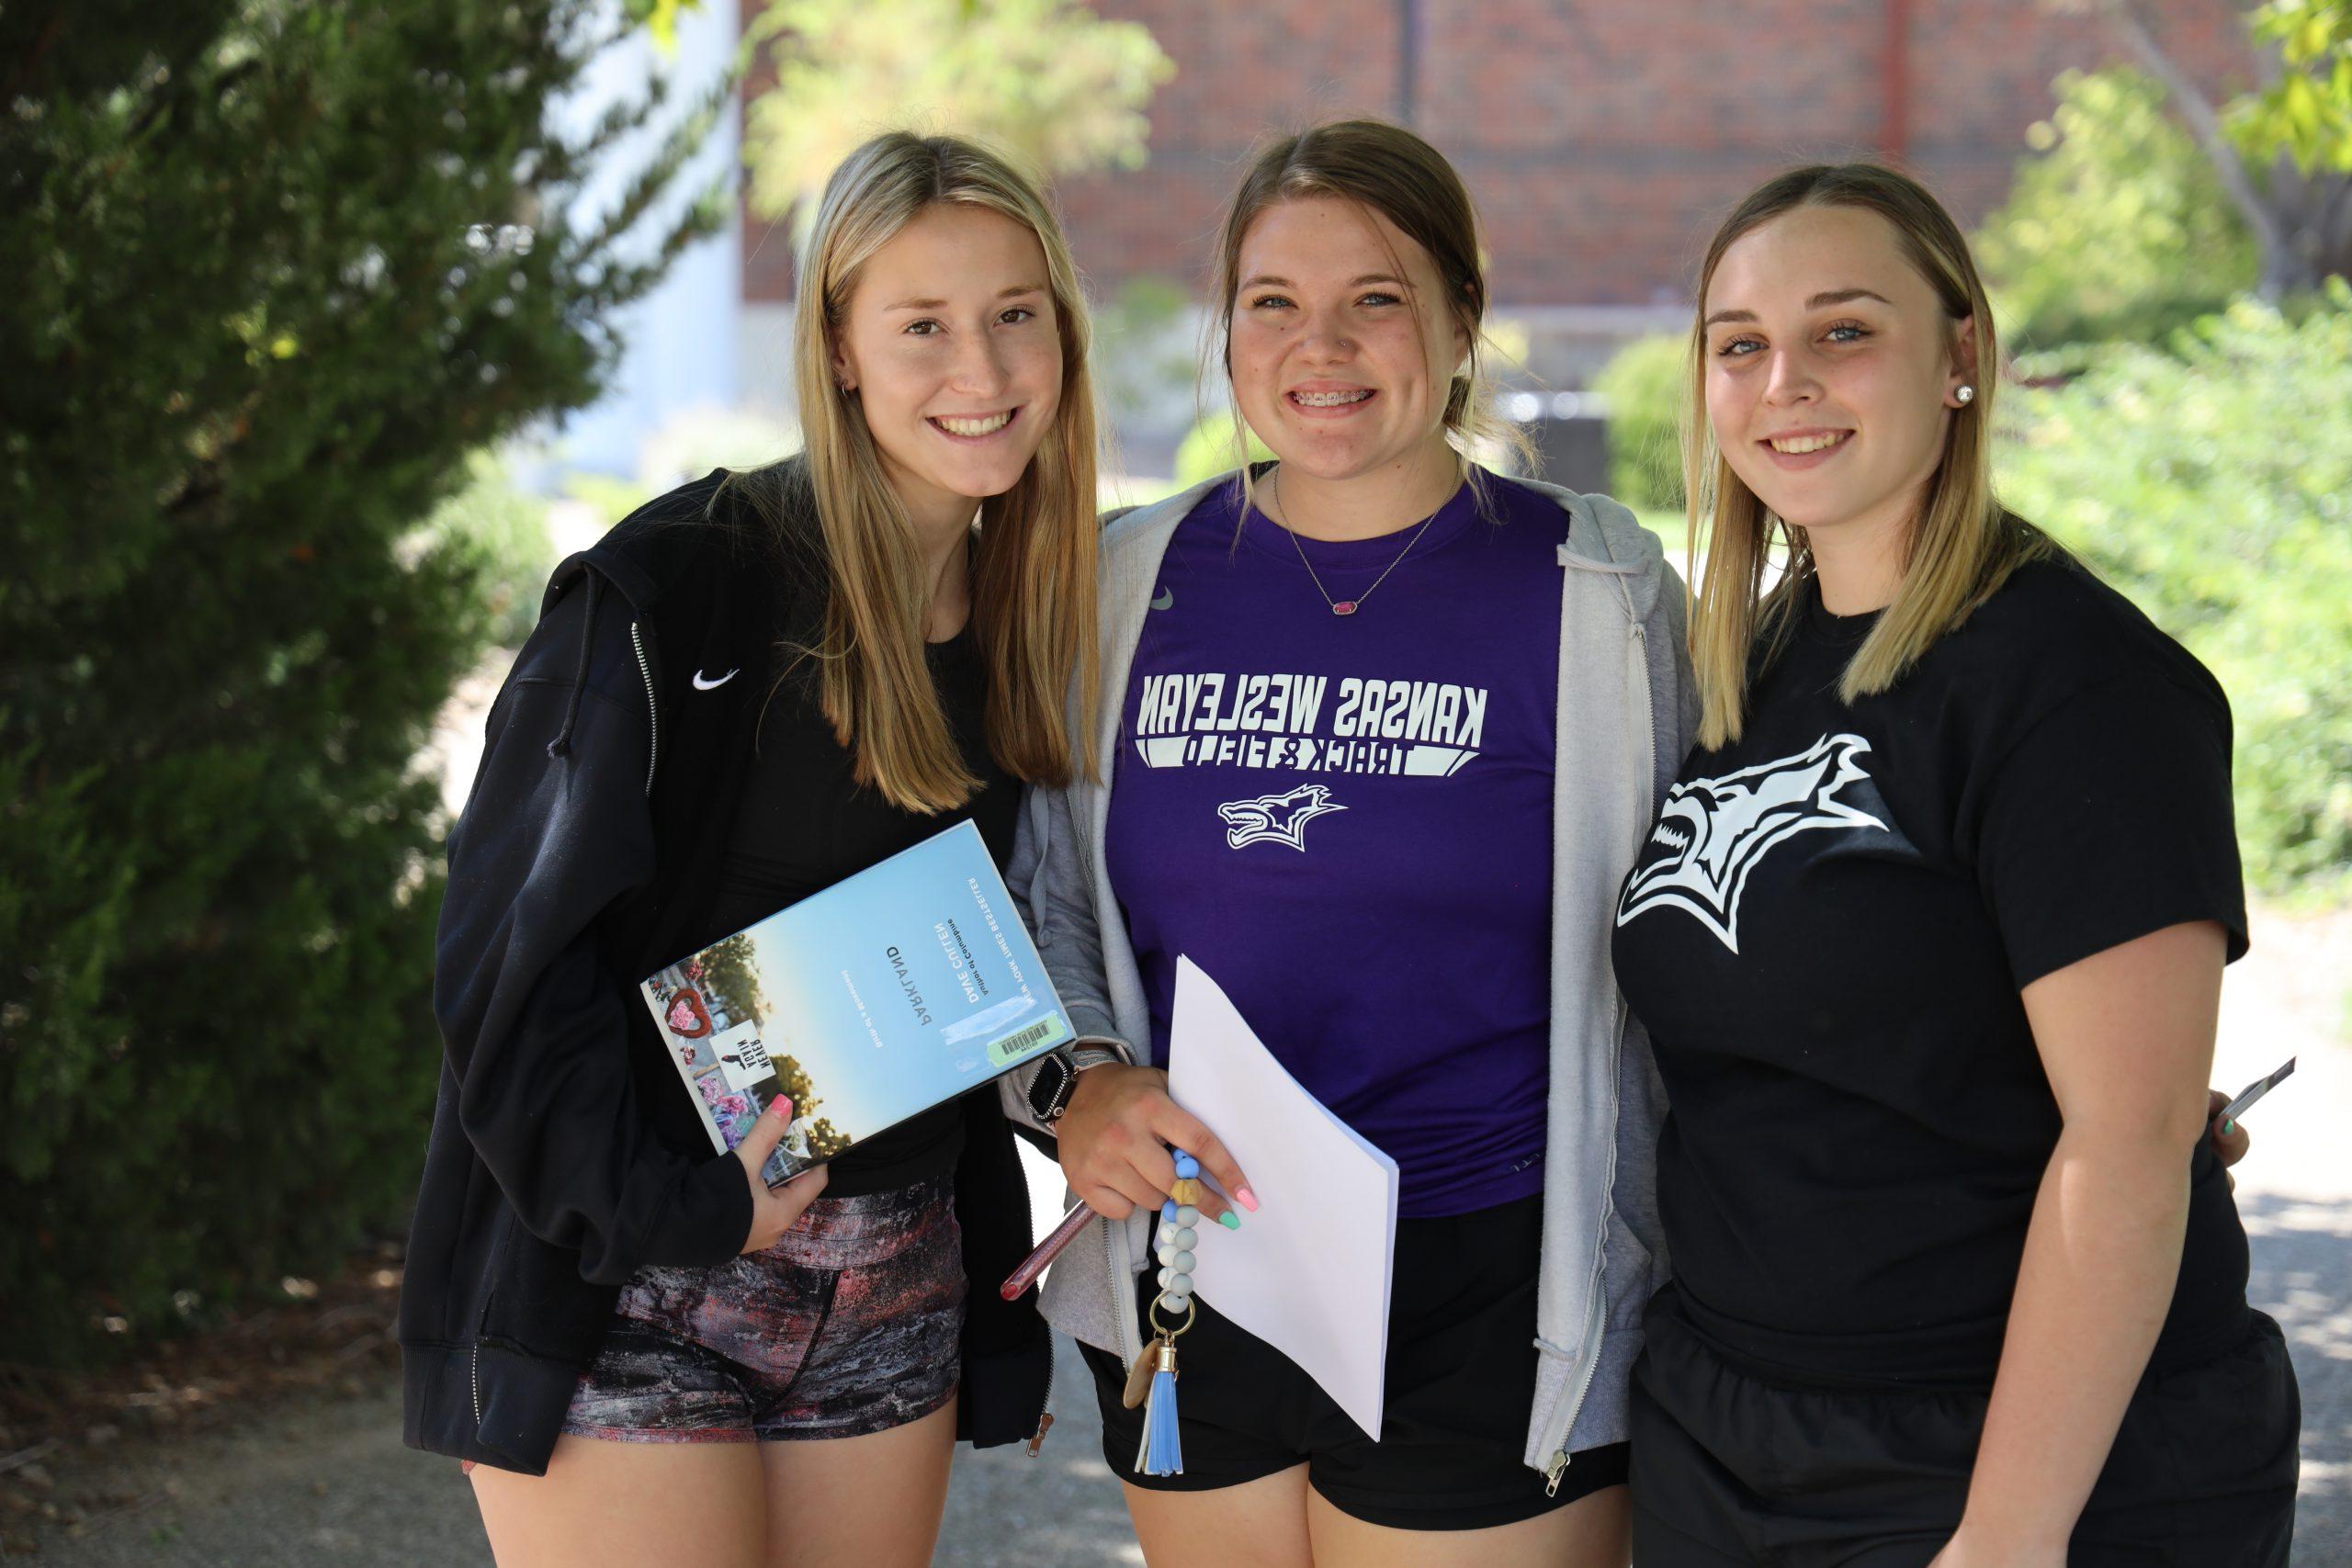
{"x": 806, "y": 824}
{"x": 1827, "y": 932}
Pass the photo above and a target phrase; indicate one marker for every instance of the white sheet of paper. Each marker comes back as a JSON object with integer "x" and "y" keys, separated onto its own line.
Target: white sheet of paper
{"x": 1307, "y": 1273}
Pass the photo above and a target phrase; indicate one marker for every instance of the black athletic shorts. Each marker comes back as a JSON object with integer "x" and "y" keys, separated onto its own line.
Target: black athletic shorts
{"x": 1731, "y": 1469}
{"x": 1461, "y": 1391}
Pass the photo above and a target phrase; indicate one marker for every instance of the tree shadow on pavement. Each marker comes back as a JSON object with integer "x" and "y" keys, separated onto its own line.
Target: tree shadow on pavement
{"x": 2302, "y": 1277}
{"x": 1062, "y": 1509}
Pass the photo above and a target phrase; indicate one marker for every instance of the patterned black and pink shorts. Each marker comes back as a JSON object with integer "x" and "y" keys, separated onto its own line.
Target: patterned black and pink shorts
{"x": 849, "y": 1325}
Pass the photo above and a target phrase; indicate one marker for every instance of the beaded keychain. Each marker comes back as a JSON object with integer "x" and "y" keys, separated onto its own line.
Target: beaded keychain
{"x": 1151, "y": 1382}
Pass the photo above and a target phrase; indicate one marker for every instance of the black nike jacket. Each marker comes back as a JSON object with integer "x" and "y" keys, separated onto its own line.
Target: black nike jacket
{"x": 564, "y": 1154}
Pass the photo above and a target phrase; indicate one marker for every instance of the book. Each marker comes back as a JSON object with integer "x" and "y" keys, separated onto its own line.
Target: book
{"x": 890, "y": 992}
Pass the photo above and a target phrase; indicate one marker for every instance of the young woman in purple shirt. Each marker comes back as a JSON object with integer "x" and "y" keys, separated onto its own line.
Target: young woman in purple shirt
{"x": 1380, "y": 731}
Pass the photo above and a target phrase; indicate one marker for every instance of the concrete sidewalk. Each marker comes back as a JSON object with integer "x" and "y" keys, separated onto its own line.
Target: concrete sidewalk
{"x": 331, "y": 1485}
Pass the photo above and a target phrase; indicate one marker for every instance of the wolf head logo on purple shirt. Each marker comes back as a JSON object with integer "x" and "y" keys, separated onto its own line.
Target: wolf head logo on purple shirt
{"x": 1281, "y": 817}
{"x": 1711, "y": 832}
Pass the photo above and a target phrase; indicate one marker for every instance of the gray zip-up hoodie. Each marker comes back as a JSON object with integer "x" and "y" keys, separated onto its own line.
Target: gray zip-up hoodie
{"x": 1626, "y": 715}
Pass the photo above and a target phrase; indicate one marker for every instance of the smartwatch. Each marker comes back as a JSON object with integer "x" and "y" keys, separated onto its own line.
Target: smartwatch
{"x": 1056, "y": 1078}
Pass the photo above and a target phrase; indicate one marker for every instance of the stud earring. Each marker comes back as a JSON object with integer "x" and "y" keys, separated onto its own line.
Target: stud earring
{"x": 1966, "y": 395}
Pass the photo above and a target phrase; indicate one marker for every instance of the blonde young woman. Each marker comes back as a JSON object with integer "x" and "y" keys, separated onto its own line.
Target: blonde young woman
{"x": 1381, "y": 731}
{"x": 755, "y": 686}
{"x": 1929, "y": 938}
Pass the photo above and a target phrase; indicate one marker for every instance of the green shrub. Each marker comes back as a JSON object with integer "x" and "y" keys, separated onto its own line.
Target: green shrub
{"x": 2117, "y": 227}
{"x": 274, "y": 270}
{"x": 499, "y": 534}
{"x": 1642, "y": 387}
{"x": 1215, "y": 444}
{"x": 2213, "y": 484}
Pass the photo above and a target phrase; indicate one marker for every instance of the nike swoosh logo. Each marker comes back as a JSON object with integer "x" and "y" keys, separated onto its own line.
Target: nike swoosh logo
{"x": 703, "y": 685}
{"x": 1167, "y": 599}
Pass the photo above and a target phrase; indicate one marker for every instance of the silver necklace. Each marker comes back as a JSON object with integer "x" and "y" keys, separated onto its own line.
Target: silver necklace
{"x": 1348, "y": 606}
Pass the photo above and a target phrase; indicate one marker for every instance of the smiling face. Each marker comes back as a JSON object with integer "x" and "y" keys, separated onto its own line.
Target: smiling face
{"x": 1332, "y": 364}
{"x": 950, "y": 342}
{"x": 1831, "y": 369}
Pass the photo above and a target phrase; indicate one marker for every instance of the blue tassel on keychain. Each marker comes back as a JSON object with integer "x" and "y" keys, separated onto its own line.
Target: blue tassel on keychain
{"x": 1161, "y": 1453}
{"x": 1164, "y": 1447}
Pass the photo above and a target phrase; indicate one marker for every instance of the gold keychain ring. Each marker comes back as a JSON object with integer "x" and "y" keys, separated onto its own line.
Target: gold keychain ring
{"x": 1159, "y": 1329}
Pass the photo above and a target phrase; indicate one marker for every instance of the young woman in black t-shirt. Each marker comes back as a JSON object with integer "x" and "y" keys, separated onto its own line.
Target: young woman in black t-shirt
{"x": 755, "y": 687}
{"x": 1930, "y": 940}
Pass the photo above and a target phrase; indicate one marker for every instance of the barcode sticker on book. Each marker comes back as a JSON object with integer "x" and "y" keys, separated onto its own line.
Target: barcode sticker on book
{"x": 1020, "y": 1042}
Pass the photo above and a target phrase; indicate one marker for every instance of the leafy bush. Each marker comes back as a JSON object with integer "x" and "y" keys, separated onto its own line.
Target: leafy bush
{"x": 2213, "y": 484}
{"x": 1642, "y": 387}
{"x": 2118, "y": 228}
{"x": 274, "y": 270}
{"x": 498, "y": 534}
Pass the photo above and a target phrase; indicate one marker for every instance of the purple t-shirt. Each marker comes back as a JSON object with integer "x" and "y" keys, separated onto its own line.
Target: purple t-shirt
{"x": 1347, "y": 820}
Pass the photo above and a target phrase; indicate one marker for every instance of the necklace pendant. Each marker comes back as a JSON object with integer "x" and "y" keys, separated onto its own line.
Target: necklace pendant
{"x": 1344, "y": 607}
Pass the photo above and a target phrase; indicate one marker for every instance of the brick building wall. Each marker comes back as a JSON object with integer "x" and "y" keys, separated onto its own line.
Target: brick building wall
{"x": 1601, "y": 140}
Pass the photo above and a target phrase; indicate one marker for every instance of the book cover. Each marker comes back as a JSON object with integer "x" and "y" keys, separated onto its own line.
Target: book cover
{"x": 875, "y": 999}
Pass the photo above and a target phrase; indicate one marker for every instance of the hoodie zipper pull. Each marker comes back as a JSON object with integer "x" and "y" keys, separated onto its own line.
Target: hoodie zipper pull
{"x": 1552, "y": 1476}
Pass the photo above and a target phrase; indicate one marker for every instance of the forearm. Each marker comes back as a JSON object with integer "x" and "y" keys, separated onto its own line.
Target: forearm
{"x": 1015, "y": 1089}
{"x": 2102, "y": 1257}
{"x": 549, "y": 1100}
{"x": 535, "y": 1025}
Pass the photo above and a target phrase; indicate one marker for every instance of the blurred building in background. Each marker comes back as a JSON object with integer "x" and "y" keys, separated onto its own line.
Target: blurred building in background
{"x": 1601, "y": 141}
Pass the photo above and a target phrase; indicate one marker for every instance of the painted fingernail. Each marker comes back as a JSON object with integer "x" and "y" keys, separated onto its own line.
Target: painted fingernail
{"x": 2228, "y": 1127}
{"x": 781, "y": 1109}
{"x": 1229, "y": 1219}
{"x": 1249, "y": 1199}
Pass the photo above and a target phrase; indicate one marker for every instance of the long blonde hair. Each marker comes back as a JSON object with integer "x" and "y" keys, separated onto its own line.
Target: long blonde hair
{"x": 1386, "y": 169}
{"x": 1033, "y": 575}
{"x": 1960, "y": 548}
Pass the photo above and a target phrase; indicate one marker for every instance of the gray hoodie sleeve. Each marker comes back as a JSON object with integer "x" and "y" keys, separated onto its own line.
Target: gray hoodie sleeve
{"x": 1048, "y": 882}
{"x": 1669, "y": 657}
{"x": 1637, "y": 1237}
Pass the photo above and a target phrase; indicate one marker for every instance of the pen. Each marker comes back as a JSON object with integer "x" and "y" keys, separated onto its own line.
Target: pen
{"x": 1021, "y": 1279}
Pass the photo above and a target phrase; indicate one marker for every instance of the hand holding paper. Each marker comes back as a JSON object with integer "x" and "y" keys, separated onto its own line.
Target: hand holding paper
{"x": 1113, "y": 1141}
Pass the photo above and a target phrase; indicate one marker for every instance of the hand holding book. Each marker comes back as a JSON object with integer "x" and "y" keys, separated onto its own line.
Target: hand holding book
{"x": 775, "y": 1210}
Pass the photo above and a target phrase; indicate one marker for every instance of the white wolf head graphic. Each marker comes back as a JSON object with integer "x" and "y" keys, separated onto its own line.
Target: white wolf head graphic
{"x": 1281, "y": 817}
{"x": 1713, "y": 831}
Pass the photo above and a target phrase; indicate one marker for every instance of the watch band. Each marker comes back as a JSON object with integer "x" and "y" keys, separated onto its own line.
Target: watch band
{"x": 1056, "y": 1080}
